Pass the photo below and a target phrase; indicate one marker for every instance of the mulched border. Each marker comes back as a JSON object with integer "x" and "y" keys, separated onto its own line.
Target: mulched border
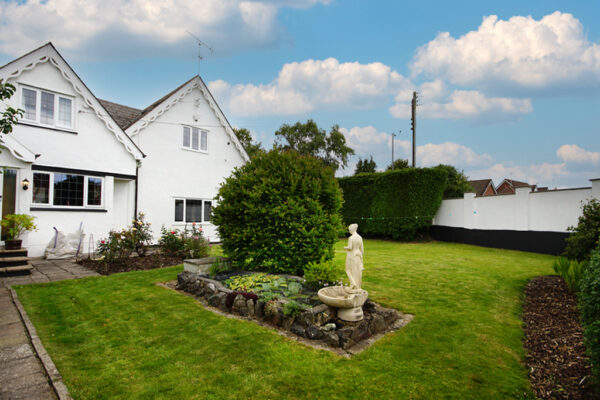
{"x": 555, "y": 351}
{"x": 151, "y": 261}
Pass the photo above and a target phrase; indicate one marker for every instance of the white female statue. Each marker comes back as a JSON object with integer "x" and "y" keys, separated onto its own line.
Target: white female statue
{"x": 354, "y": 258}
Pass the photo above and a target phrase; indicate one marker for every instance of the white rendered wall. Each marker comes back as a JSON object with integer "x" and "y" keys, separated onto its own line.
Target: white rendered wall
{"x": 552, "y": 211}
{"x": 170, "y": 172}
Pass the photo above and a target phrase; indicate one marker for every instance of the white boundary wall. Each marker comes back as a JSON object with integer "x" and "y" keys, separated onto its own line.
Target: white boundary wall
{"x": 551, "y": 211}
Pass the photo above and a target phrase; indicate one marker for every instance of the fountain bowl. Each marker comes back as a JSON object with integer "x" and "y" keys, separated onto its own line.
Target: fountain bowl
{"x": 348, "y": 302}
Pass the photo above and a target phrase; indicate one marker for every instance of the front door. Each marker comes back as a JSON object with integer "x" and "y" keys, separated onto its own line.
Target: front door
{"x": 8, "y": 193}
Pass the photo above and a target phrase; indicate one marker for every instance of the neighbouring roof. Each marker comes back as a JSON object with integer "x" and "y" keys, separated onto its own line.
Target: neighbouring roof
{"x": 126, "y": 116}
{"x": 515, "y": 183}
{"x": 480, "y": 185}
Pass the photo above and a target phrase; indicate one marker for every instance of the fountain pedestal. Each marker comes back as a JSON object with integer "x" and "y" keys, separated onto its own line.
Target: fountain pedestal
{"x": 349, "y": 302}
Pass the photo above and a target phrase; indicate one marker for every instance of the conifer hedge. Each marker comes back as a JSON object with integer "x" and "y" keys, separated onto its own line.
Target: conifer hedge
{"x": 279, "y": 212}
{"x": 394, "y": 204}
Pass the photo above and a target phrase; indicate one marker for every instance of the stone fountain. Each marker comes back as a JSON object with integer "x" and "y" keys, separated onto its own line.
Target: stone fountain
{"x": 349, "y": 299}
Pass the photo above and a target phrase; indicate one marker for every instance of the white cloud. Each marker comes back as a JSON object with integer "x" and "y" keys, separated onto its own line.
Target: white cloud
{"x": 133, "y": 28}
{"x": 449, "y": 153}
{"x": 301, "y": 87}
{"x": 544, "y": 174}
{"x": 522, "y": 51}
{"x": 574, "y": 153}
{"x": 360, "y": 138}
{"x": 466, "y": 104}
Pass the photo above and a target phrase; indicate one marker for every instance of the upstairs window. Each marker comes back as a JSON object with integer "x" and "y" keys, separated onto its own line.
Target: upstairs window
{"x": 195, "y": 139}
{"x": 47, "y": 108}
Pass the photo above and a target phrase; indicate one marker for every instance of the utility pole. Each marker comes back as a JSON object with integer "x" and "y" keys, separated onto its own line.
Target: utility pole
{"x": 413, "y": 123}
{"x": 393, "y": 136}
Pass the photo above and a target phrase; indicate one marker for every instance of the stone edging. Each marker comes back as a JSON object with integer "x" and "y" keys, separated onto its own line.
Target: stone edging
{"x": 50, "y": 369}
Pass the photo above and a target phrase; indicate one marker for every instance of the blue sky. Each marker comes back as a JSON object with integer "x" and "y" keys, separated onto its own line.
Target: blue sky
{"x": 507, "y": 89}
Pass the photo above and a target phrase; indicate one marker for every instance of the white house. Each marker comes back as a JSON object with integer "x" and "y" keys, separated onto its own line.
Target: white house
{"x": 75, "y": 159}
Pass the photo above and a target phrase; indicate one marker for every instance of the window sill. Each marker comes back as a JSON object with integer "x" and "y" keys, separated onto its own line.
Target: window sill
{"x": 195, "y": 151}
{"x": 49, "y": 127}
{"x": 82, "y": 209}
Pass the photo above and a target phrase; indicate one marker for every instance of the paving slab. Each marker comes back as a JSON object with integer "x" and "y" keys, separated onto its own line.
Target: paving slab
{"x": 26, "y": 370}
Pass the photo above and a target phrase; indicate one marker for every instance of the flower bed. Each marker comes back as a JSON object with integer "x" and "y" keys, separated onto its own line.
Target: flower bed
{"x": 311, "y": 320}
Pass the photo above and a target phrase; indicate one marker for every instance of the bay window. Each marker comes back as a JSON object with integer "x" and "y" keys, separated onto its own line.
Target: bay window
{"x": 47, "y": 108}
{"x": 192, "y": 210}
{"x": 67, "y": 190}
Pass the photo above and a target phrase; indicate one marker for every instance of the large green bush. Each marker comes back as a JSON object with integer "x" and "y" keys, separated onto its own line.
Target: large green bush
{"x": 393, "y": 204}
{"x": 279, "y": 212}
{"x": 589, "y": 304}
{"x": 584, "y": 236}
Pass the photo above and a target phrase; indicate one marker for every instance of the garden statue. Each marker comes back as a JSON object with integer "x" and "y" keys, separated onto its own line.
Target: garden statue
{"x": 354, "y": 259}
{"x": 349, "y": 299}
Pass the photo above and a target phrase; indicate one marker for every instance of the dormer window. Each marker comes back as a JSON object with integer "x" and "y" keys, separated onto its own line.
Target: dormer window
{"x": 47, "y": 108}
{"x": 195, "y": 139}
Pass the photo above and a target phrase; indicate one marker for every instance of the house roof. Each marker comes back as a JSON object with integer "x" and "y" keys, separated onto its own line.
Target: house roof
{"x": 480, "y": 185}
{"x": 123, "y": 115}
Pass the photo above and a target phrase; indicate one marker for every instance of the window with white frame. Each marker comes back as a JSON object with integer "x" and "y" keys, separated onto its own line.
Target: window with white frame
{"x": 67, "y": 190}
{"x": 192, "y": 210}
{"x": 195, "y": 139}
{"x": 47, "y": 108}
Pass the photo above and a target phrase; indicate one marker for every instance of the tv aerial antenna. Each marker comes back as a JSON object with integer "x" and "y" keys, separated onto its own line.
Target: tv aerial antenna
{"x": 200, "y": 45}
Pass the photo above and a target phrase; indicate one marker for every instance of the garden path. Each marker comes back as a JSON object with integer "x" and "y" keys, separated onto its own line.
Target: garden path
{"x": 26, "y": 370}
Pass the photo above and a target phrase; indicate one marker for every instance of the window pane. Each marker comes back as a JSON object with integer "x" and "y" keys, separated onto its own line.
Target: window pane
{"x": 193, "y": 211}
{"x": 203, "y": 143}
{"x": 186, "y": 136}
{"x": 68, "y": 190}
{"x": 94, "y": 192}
{"x": 47, "y": 110}
{"x": 41, "y": 188}
{"x": 29, "y": 104}
{"x": 178, "y": 210}
{"x": 207, "y": 210}
{"x": 195, "y": 138}
{"x": 64, "y": 111}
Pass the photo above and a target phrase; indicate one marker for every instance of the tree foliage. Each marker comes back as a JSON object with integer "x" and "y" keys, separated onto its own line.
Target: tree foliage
{"x": 310, "y": 140}
{"x": 584, "y": 237}
{"x": 245, "y": 137}
{"x": 10, "y": 116}
{"x": 365, "y": 166}
{"x": 279, "y": 212}
{"x": 457, "y": 182}
{"x": 589, "y": 304}
{"x": 398, "y": 164}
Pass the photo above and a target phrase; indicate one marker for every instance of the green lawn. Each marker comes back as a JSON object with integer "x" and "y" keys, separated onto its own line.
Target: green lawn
{"x": 124, "y": 337}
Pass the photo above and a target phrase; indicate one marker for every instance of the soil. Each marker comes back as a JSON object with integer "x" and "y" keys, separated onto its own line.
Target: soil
{"x": 556, "y": 359}
{"x": 151, "y": 261}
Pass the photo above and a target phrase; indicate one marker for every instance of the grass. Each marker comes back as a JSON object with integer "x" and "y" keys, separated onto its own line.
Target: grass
{"x": 122, "y": 336}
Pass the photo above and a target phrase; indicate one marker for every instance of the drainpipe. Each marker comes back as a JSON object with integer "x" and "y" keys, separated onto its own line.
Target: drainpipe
{"x": 137, "y": 169}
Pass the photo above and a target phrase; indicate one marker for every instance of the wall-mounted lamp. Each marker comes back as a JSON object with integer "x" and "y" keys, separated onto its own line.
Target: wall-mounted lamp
{"x": 25, "y": 184}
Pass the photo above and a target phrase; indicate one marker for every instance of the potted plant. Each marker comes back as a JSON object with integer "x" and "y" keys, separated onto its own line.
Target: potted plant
{"x": 16, "y": 225}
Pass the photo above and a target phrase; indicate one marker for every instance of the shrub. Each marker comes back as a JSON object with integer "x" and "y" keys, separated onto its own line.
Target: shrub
{"x": 322, "y": 274}
{"x": 292, "y": 308}
{"x": 188, "y": 243}
{"x": 584, "y": 237}
{"x": 218, "y": 267}
{"x": 589, "y": 305}
{"x": 141, "y": 234}
{"x": 279, "y": 212}
{"x": 571, "y": 270}
{"x": 17, "y": 224}
{"x": 116, "y": 247}
{"x": 394, "y": 204}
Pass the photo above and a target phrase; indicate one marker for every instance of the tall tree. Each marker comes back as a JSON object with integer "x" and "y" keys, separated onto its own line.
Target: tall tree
{"x": 457, "y": 183}
{"x": 9, "y": 117}
{"x": 245, "y": 138}
{"x": 308, "y": 139}
{"x": 398, "y": 164}
{"x": 365, "y": 165}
